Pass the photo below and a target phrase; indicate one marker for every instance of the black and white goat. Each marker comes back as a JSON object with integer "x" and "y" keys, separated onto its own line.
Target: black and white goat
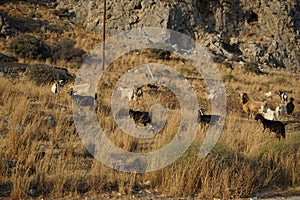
{"x": 283, "y": 96}
{"x": 55, "y": 88}
{"x": 274, "y": 126}
{"x": 140, "y": 117}
{"x": 207, "y": 118}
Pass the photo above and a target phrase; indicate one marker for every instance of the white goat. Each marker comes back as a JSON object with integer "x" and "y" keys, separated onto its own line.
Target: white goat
{"x": 269, "y": 94}
{"x": 79, "y": 89}
{"x": 126, "y": 92}
{"x": 269, "y": 114}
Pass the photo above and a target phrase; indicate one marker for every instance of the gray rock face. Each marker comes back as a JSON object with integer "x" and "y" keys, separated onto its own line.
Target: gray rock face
{"x": 266, "y": 32}
{"x": 121, "y": 14}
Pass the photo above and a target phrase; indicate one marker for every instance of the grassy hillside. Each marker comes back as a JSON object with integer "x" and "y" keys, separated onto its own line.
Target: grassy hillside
{"x": 42, "y": 155}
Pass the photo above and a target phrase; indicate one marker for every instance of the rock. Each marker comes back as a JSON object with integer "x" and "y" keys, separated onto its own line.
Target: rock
{"x": 265, "y": 32}
{"x": 263, "y": 29}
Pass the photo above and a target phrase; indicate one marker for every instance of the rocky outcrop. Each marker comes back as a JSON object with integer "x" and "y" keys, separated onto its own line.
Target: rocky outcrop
{"x": 261, "y": 31}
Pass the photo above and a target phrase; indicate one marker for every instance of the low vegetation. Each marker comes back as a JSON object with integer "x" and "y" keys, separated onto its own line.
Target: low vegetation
{"x": 29, "y": 47}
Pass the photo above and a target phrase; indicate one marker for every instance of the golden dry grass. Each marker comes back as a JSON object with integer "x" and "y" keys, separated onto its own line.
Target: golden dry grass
{"x": 52, "y": 159}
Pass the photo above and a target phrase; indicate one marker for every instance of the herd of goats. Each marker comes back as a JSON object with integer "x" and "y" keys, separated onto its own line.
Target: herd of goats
{"x": 255, "y": 109}
{"x": 268, "y": 117}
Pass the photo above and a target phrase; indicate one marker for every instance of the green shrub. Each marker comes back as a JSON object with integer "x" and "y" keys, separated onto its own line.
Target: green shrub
{"x": 29, "y": 47}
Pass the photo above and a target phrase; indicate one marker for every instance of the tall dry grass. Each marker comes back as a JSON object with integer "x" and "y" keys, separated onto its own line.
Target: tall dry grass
{"x": 39, "y": 158}
{"x": 42, "y": 158}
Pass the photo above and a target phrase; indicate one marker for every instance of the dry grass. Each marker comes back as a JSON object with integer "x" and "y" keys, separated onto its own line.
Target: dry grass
{"x": 51, "y": 159}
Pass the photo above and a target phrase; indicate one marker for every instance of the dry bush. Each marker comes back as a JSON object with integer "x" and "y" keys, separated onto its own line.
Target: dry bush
{"x": 29, "y": 47}
{"x": 64, "y": 50}
{"x": 43, "y": 74}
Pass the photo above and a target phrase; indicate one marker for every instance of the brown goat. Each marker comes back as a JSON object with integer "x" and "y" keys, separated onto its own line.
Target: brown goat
{"x": 250, "y": 106}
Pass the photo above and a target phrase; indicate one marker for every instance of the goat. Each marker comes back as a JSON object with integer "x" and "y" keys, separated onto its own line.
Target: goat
{"x": 131, "y": 93}
{"x": 283, "y": 96}
{"x": 279, "y": 111}
{"x": 79, "y": 89}
{"x": 250, "y": 106}
{"x": 140, "y": 117}
{"x": 274, "y": 126}
{"x": 127, "y": 93}
{"x": 207, "y": 118}
{"x": 138, "y": 92}
{"x": 290, "y": 106}
{"x": 269, "y": 114}
{"x": 269, "y": 94}
{"x": 55, "y": 88}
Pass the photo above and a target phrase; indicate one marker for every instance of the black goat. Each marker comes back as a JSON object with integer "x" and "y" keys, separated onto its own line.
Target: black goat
{"x": 274, "y": 126}
{"x": 140, "y": 117}
{"x": 283, "y": 96}
{"x": 290, "y": 106}
{"x": 207, "y": 118}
